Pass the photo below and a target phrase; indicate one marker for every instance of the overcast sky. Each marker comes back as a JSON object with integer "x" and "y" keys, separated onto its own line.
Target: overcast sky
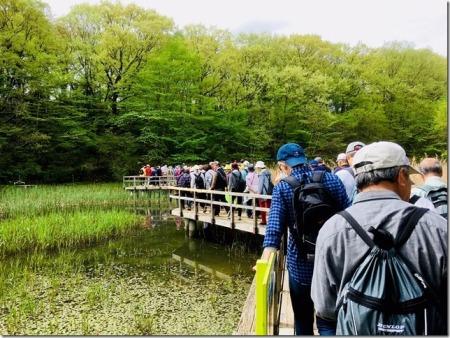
{"x": 422, "y": 22}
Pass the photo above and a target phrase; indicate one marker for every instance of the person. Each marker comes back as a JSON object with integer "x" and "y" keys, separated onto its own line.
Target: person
{"x": 321, "y": 164}
{"x": 292, "y": 162}
{"x": 345, "y": 174}
{"x": 434, "y": 188}
{"x": 382, "y": 175}
{"x": 219, "y": 183}
{"x": 342, "y": 164}
{"x": 265, "y": 187}
{"x": 350, "y": 151}
{"x": 148, "y": 172}
{"x": 235, "y": 185}
{"x": 244, "y": 169}
{"x": 252, "y": 183}
{"x": 198, "y": 182}
{"x": 185, "y": 182}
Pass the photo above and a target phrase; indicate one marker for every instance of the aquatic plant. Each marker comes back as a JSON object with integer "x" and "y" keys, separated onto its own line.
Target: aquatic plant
{"x": 59, "y": 230}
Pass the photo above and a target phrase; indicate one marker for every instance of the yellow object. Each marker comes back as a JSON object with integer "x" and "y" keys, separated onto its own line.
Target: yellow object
{"x": 263, "y": 273}
{"x": 228, "y": 166}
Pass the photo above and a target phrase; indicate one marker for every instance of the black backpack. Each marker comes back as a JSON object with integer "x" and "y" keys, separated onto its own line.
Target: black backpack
{"x": 385, "y": 295}
{"x": 240, "y": 184}
{"x": 199, "y": 183}
{"x": 221, "y": 180}
{"x": 313, "y": 206}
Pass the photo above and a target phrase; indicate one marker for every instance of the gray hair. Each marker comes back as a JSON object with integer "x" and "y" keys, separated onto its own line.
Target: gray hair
{"x": 363, "y": 180}
{"x": 436, "y": 168}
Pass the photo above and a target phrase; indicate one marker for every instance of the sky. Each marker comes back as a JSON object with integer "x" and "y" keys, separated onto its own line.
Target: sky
{"x": 420, "y": 22}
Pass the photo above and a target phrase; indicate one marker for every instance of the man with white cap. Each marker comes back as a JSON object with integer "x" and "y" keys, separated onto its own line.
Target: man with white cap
{"x": 352, "y": 149}
{"x": 345, "y": 174}
{"x": 382, "y": 176}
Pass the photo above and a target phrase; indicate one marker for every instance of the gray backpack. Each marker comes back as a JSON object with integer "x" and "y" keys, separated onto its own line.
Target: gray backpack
{"x": 438, "y": 196}
{"x": 385, "y": 295}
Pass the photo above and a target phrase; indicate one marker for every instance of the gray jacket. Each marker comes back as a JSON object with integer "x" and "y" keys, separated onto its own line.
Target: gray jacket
{"x": 263, "y": 183}
{"x": 339, "y": 249}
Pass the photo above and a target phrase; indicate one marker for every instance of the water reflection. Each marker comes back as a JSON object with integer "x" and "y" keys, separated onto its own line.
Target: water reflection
{"x": 154, "y": 281}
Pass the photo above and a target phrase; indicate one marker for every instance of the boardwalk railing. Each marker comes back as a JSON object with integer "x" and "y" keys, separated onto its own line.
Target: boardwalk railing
{"x": 269, "y": 282}
{"x": 140, "y": 182}
{"x": 202, "y": 198}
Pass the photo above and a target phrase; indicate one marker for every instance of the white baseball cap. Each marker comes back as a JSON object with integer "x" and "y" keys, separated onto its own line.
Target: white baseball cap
{"x": 354, "y": 146}
{"x": 380, "y": 155}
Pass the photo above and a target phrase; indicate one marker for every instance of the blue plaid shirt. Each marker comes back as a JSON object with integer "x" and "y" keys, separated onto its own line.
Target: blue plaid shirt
{"x": 282, "y": 212}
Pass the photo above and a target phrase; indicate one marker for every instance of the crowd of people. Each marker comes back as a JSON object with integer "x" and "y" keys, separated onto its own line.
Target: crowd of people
{"x": 378, "y": 263}
{"x": 343, "y": 221}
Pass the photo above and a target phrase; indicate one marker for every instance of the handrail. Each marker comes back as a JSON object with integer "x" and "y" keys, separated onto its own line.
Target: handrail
{"x": 206, "y": 197}
{"x": 136, "y": 181}
{"x": 269, "y": 281}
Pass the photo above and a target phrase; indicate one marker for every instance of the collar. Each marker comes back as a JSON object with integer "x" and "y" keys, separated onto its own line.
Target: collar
{"x": 434, "y": 180}
{"x": 375, "y": 195}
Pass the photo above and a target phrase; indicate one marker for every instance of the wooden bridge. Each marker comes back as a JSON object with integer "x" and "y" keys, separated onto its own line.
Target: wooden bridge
{"x": 196, "y": 207}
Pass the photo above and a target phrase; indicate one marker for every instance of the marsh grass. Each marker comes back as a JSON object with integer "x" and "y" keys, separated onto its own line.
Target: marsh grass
{"x": 62, "y": 230}
{"x": 46, "y": 199}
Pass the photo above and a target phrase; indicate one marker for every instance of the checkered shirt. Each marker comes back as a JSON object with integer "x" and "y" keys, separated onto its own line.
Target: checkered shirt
{"x": 282, "y": 212}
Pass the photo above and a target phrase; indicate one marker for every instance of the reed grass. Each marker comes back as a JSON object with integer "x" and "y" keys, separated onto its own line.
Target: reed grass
{"x": 45, "y": 199}
{"x": 62, "y": 230}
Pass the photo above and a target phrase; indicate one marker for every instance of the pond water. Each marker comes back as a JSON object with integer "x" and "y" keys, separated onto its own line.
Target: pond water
{"x": 154, "y": 281}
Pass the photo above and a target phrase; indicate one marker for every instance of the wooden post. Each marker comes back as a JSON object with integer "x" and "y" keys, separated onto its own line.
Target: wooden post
{"x": 255, "y": 218}
{"x": 195, "y": 206}
{"x": 232, "y": 213}
{"x": 213, "y": 220}
{"x": 179, "y": 203}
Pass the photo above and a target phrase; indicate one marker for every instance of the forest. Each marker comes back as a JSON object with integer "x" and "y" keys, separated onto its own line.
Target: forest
{"x": 95, "y": 94}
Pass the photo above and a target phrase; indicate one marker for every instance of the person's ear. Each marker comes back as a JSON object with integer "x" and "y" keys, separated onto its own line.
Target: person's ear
{"x": 403, "y": 178}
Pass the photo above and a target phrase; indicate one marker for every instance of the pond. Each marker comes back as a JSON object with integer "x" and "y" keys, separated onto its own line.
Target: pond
{"x": 152, "y": 281}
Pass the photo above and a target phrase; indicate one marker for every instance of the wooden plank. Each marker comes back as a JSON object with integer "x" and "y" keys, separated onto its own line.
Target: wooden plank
{"x": 287, "y": 314}
{"x": 246, "y": 324}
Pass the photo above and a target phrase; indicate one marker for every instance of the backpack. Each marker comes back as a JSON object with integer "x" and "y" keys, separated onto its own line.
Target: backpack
{"x": 313, "y": 206}
{"x": 385, "y": 295}
{"x": 269, "y": 189}
{"x": 438, "y": 196}
{"x": 240, "y": 183}
{"x": 185, "y": 181}
{"x": 221, "y": 180}
{"x": 199, "y": 183}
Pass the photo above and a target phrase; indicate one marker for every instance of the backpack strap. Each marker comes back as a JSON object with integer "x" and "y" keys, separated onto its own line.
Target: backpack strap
{"x": 318, "y": 176}
{"x": 292, "y": 181}
{"x": 359, "y": 230}
{"x": 408, "y": 225}
{"x": 414, "y": 199}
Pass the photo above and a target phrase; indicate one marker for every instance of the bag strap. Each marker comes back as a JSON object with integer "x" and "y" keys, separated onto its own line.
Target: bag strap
{"x": 318, "y": 176}
{"x": 408, "y": 225}
{"x": 359, "y": 230}
{"x": 414, "y": 199}
{"x": 292, "y": 181}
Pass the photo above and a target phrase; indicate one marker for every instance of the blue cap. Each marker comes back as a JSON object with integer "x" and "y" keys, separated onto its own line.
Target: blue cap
{"x": 313, "y": 163}
{"x": 292, "y": 154}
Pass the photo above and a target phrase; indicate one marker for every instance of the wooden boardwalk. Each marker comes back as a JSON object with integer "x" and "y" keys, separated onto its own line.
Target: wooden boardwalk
{"x": 245, "y": 224}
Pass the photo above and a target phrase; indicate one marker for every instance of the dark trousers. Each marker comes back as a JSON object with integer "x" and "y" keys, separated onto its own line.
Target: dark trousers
{"x": 303, "y": 307}
{"x": 220, "y": 198}
{"x": 238, "y": 200}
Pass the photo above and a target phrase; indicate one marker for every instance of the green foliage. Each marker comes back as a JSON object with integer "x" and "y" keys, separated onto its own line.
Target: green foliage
{"x": 109, "y": 87}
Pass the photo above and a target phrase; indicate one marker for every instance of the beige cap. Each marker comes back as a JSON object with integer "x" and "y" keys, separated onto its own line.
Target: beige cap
{"x": 260, "y": 164}
{"x": 380, "y": 155}
{"x": 341, "y": 157}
